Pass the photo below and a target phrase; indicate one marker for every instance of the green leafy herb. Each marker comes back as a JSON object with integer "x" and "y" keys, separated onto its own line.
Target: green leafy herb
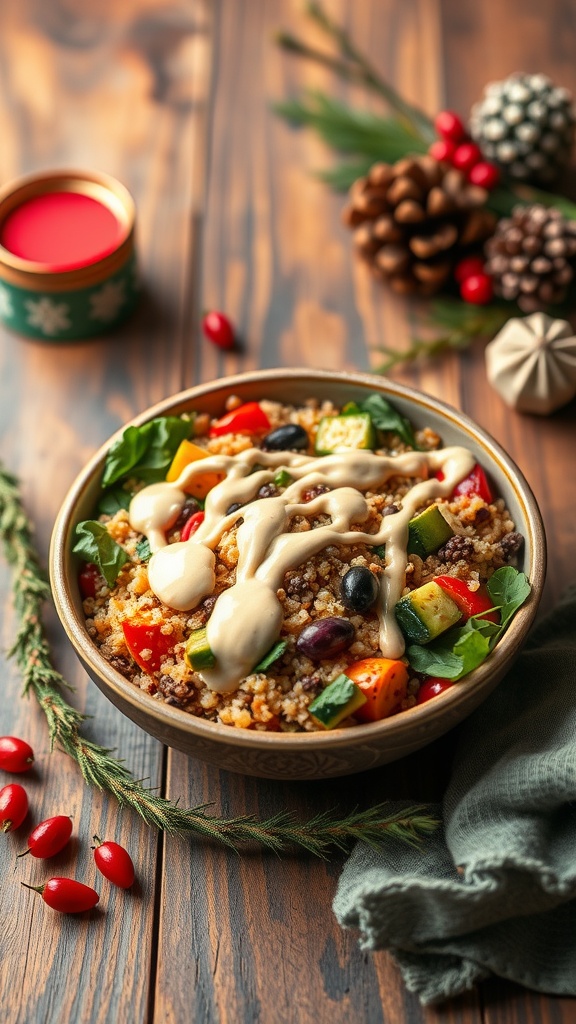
{"x": 96, "y": 545}
{"x": 435, "y": 660}
{"x": 147, "y": 451}
{"x": 113, "y": 500}
{"x": 273, "y": 654}
{"x": 143, "y": 550}
{"x": 508, "y": 588}
{"x": 385, "y": 417}
{"x": 380, "y": 550}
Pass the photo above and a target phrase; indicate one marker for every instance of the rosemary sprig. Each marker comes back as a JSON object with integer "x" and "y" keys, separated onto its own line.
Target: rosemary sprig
{"x": 100, "y": 769}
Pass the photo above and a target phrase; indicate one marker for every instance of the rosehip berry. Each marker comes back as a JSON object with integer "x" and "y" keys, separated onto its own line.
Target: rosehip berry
{"x": 484, "y": 174}
{"x": 66, "y": 895}
{"x": 431, "y": 688}
{"x": 218, "y": 329}
{"x": 469, "y": 266}
{"x": 13, "y": 807}
{"x": 449, "y": 126}
{"x": 15, "y": 755}
{"x": 114, "y": 862}
{"x": 477, "y": 289}
{"x": 49, "y": 837}
{"x": 443, "y": 149}
{"x": 466, "y": 156}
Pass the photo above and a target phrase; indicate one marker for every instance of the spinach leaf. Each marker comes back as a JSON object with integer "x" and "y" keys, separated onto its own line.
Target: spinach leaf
{"x": 146, "y": 451}
{"x": 113, "y": 500}
{"x": 385, "y": 417}
{"x": 472, "y": 647}
{"x": 143, "y": 550}
{"x": 435, "y": 661}
{"x": 96, "y": 545}
{"x": 273, "y": 654}
{"x": 508, "y": 588}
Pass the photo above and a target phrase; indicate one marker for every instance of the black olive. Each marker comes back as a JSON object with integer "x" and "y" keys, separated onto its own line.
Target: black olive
{"x": 359, "y": 589}
{"x": 233, "y": 507}
{"x": 290, "y": 437}
{"x": 325, "y": 638}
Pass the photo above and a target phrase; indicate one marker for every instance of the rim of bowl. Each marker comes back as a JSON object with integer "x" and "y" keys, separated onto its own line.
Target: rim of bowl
{"x": 406, "y": 721}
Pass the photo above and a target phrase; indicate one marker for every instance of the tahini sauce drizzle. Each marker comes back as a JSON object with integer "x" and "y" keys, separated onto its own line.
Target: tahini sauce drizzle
{"x": 247, "y": 617}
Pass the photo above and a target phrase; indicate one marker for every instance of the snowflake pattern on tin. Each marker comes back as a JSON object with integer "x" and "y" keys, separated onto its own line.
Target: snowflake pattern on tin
{"x": 6, "y": 307}
{"x": 106, "y": 303}
{"x": 49, "y": 316}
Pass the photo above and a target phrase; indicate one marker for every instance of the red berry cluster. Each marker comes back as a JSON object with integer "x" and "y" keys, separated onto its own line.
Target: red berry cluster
{"x": 456, "y": 147}
{"x": 52, "y": 835}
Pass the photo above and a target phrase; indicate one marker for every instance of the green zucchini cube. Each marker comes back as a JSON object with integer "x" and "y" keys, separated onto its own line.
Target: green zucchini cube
{"x": 345, "y": 433}
{"x": 341, "y": 698}
{"x": 427, "y": 532}
{"x": 198, "y": 652}
{"x": 426, "y": 612}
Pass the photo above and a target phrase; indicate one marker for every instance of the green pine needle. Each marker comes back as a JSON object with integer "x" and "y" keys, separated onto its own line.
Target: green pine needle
{"x": 102, "y": 770}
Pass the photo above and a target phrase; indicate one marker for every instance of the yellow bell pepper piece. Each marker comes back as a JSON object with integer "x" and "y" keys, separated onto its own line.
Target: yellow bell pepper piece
{"x": 186, "y": 453}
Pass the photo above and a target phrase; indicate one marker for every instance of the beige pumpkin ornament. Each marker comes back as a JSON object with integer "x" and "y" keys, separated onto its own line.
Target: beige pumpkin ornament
{"x": 532, "y": 363}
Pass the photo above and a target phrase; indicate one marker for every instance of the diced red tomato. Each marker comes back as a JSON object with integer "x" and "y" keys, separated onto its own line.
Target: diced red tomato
{"x": 191, "y": 525}
{"x": 470, "y": 602}
{"x": 431, "y": 688}
{"x": 88, "y": 577}
{"x": 474, "y": 483}
{"x": 249, "y": 418}
{"x": 142, "y": 636}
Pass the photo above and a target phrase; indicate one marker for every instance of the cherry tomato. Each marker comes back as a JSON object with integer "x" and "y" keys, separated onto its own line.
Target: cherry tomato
{"x": 218, "y": 329}
{"x": 15, "y": 755}
{"x": 443, "y": 150}
{"x": 449, "y": 126}
{"x": 467, "y": 267}
{"x": 484, "y": 174}
{"x": 88, "y": 578}
{"x": 49, "y": 837}
{"x": 470, "y": 602}
{"x": 191, "y": 525}
{"x": 142, "y": 637}
{"x": 114, "y": 862}
{"x": 431, "y": 688}
{"x": 249, "y": 418}
{"x": 466, "y": 156}
{"x": 475, "y": 483}
{"x": 477, "y": 289}
{"x": 66, "y": 895}
{"x": 13, "y": 807}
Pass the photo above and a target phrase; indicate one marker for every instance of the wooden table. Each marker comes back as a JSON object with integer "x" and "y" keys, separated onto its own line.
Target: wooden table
{"x": 174, "y": 98}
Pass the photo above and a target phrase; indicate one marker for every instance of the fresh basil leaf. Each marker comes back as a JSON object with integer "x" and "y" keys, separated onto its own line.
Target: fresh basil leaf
{"x": 113, "y": 500}
{"x": 143, "y": 550}
{"x": 438, "y": 661}
{"x": 472, "y": 647}
{"x": 273, "y": 654}
{"x": 509, "y": 589}
{"x": 95, "y": 545}
{"x": 146, "y": 451}
{"x": 385, "y": 417}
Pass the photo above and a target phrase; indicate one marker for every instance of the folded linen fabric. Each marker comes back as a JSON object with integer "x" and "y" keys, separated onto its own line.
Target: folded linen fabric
{"x": 494, "y": 891}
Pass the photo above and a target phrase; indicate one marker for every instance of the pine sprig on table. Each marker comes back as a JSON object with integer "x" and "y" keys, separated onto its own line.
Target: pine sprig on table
{"x": 100, "y": 769}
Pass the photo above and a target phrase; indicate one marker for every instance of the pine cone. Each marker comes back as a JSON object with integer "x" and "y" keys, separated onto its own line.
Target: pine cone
{"x": 526, "y": 125}
{"x": 413, "y": 219}
{"x": 528, "y": 256}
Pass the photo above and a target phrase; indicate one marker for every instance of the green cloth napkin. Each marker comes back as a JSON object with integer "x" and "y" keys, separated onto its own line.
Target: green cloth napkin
{"x": 494, "y": 891}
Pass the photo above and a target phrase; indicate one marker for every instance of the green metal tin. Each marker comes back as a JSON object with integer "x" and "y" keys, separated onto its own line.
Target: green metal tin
{"x": 71, "y": 305}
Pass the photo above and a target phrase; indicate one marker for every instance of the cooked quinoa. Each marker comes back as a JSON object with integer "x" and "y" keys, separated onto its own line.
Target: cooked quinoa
{"x": 278, "y": 699}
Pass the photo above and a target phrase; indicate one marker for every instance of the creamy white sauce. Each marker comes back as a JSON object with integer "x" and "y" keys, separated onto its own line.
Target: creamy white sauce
{"x": 247, "y": 617}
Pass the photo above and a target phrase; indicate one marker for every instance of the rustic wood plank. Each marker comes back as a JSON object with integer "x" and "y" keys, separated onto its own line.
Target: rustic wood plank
{"x": 115, "y": 87}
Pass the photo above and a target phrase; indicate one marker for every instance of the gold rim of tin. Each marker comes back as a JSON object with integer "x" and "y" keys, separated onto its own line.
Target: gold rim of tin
{"x": 96, "y": 184}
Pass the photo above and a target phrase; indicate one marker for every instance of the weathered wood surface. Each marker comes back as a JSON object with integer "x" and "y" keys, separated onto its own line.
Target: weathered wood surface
{"x": 174, "y": 98}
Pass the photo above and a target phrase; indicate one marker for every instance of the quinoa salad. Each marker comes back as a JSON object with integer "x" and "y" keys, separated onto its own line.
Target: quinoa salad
{"x": 296, "y": 568}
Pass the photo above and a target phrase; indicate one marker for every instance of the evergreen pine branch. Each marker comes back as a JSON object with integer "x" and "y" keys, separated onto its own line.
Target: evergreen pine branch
{"x": 102, "y": 770}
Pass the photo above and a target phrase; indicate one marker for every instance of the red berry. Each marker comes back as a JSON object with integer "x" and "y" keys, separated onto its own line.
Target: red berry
{"x": 49, "y": 837}
{"x": 466, "y": 156}
{"x": 218, "y": 329}
{"x": 15, "y": 755}
{"x": 88, "y": 577}
{"x": 114, "y": 862}
{"x": 66, "y": 895}
{"x": 449, "y": 126}
{"x": 484, "y": 174}
{"x": 443, "y": 149}
{"x": 469, "y": 266}
{"x": 431, "y": 688}
{"x": 477, "y": 289}
{"x": 191, "y": 525}
{"x": 13, "y": 807}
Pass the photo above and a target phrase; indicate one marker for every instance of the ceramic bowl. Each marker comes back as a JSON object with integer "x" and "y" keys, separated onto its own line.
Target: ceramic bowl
{"x": 320, "y": 754}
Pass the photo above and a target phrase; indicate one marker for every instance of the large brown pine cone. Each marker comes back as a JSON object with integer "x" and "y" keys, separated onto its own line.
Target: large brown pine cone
{"x": 529, "y": 256}
{"x": 413, "y": 220}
